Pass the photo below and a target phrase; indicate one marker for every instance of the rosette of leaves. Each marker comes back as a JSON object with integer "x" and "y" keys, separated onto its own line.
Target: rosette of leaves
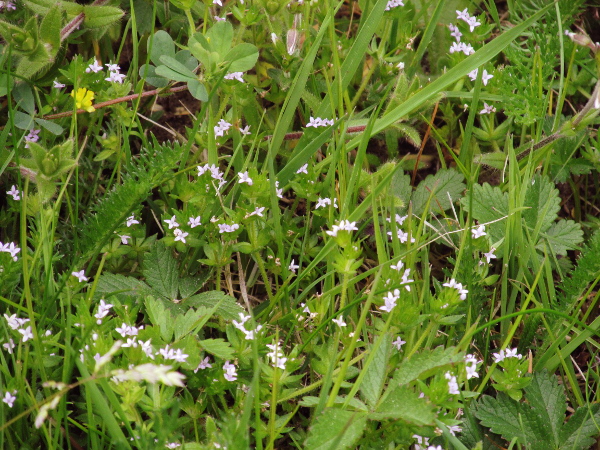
{"x": 214, "y": 51}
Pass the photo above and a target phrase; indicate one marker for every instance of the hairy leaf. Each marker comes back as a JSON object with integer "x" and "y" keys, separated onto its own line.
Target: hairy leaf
{"x": 420, "y": 364}
{"x": 403, "y": 403}
{"x": 445, "y": 187}
{"x": 336, "y": 428}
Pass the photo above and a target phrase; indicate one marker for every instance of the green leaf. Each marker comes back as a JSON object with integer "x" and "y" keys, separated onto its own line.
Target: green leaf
{"x": 50, "y": 126}
{"x": 151, "y": 77}
{"x": 243, "y": 57}
{"x": 543, "y": 202}
{"x": 582, "y": 429}
{"x": 562, "y": 236}
{"x": 197, "y": 90}
{"x": 418, "y": 366}
{"x": 42, "y": 7}
{"x": 489, "y": 204}
{"x": 336, "y": 429}
{"x": 50, "y": 29}
{"x": 218, "y": 347}
{"x": 445, "y": 187}
{"x": 174, "y": 70}
{"x": 101, "y": 16}
{"x": 404, "y": 403}
{"x": 220, "y": 37}
{"x": 162, "y": 45}
{"x": 548, "y": 400}
{"x": 160, "y": 270}
{"x": 374, "y": 379}
{"x": 161, "y": 317}
{"x": 228, "y": 309}
{"x": 185, "y": 323}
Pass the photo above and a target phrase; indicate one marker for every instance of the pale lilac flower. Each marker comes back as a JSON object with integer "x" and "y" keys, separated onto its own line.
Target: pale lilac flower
{"x": 27, "y": 334}
{"x": 126, "y": 330}
{"x": 103, "y": 310}
{"x": 113, "y": 67}
{"x": 473, "y": 23}
{"x": 452, "y": 384}
{"x": 400, "y": 65}
{"x": 14, "y": 193}
{"x": 95, "y": 67}
{"x": 339, "y": 321}
{"x": 398, "y": 343}
{"x": 172, "y": 445}
{"x": 14, "y": 322}
{"x": 226, "y": 228}
{"x": 246, "y": 130}
{"x": 222, "y": 127}
{"x": 243, "y": 320}
{"x": 230, "y": 371}
{"x": 116, "y": 77}
{"x": 244, "y": 178}
{"x": 455, "y": 33}
{"x": 57, "y": 85}
{"x": 318, "y": 122}
{"x": 453, "y": 429}
{"x": 235, "y": 76}
{"x": 220, "y": 19}
{"x": 124, "y": 239}
{"x": 278, "y": 191}
{"x": 513, "y": 353}
{"x": 293, "y": 267}
{"x": 459, "y": 287}
{"x": 9, "y": 346}
{"x": 393, "y": 4}
{"x": 172, "y": 222}
{"x": 147, "y": 348}
{"x": 204, "y": 364}
{"x": 487, "y": 109}
{"x": 456, "y": 47}
{"x": 435, "y": 447}
{"x": 33, "y": 136}
{"x": 422, "y": 442}
{"x": 478, "y": 232}
{"x": 490, "y": 255}
{"x": 484, "y": 78}
{"x": 303, "y": 169}
{"x": 9, "y": 399}
{"x": 193, "y": 222}
{"x": 390, "y": 302}
{"x": 398, "y": 266}
{"x": 464, "y": 14}
{"x": 8, "y": 5}
{"x": 257, "y": 212}
{"x": 277, "y": 357}
{"x": 471, "y": 366}
{"x": 403, "y": 236}
{"x": 80, "y": 275}
{"x": 499, "y": 357}
{"x": 322, "y": 202}
{"x": 131, "y": 342}
{"x": 405, "y": 280}
{"x": 131, "y": 220}
{"x": 180, "y": 235}
{"x": 468, "y": 49}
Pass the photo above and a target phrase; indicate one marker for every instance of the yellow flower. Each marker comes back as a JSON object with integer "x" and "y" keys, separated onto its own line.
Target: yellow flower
{"x": 83, "y": 99}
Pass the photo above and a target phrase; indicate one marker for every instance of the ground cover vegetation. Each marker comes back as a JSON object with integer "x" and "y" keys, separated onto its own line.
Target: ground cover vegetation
{"x": 299, "y": 224}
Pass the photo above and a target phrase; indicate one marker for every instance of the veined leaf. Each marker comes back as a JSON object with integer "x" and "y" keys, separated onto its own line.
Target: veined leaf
{"x": 445, "y": 187}
{"x": 403, "y": 403}
{"x": 419, "y": 364}
{"x": 562, "y": 236}
{"x": 160, "y": 270}
{"x": 336, "y": 428}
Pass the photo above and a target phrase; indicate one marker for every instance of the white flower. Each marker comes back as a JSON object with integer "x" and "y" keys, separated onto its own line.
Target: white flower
{"x": 398, "y": 343}
{"x": 193, "y": 222}
{"x": 226, "y": 228}
{"x": 220, "y": 19}
{"x": 131, "y": 220}
{"x": 397, "y": 266}
{"x": 57, "y": 85}
{"x": 405, "y": 280}
{"x": 490, "y": 255}
{"x": 230, "y": 371}
{"x": 471, "y": 372}
{"x": 116, "y": 77}
{"x": 293, "y": 267}
{"x": 499, "y": 357}
{"x": 484, "y": 78}
{"x": 95, "y": 67}
{"x": 390, "y": 302}
{"x": 322, "y": 202}
{"x": 222, "y": 127}
{"x": 235, "y": 76}
{"x": 303, "y": 169}
{"x": 509, "y": 353}
{"x": 151, "y": 373}
{"x": 217, "y": 2}
{"x": 257, "y": 212}
{"x": 126, "y": 330}
{"x": 131, "y": 342}
{"x": 9, "y": 346}
{"x": 180, "y": 235}
{"x": 80, "y": 276}
{"x": 400, "y": 65}
{"x": 464, "y": 14}
{"x": 243, "y": 320}
{"x": 478, "y": 232}
{"x": 124, "y": 239}
{"x": 455, "y": 33}
{"x": 9, "y": 399}
{"x": 27, "y": 334}
{"x": 318, "y": 122}
{"x": 204, "y": 364}
{"x": 147, "y": 348}
{"x": 14, "y": 193}
{"x": 172, "y": 222}
{"x": 487, "y": 109}
{"x": 276, "y": 355}
{"x": 244, "y": 178}
{"x": 339, "y": 321}
{"x": 278, "y": 191}
{"x": 113, "y": 67}
{"x": 246, "y": 130}
{"x": 452, "y": 384}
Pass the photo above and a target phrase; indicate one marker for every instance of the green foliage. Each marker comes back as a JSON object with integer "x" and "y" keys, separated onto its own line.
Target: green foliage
{"x": 336, "y": 428}
{"x": 539, "y": 423}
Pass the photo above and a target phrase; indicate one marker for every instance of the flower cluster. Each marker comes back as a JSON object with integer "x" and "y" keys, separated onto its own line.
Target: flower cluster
{"x": 103, "y": 310}
{"x": 459, "y": 46}
{"x": 504, "y": 354}
{"x": 485, "y": 77}
{"x": 171, "y": 354}
{"x": 18, "y": 324}
{"x": 470, "y": 20}
{"x": 390, "y": 300}
{"x": 393, "y": 4}
{"x": 215, "y": 174}
{"x": 33, "y": 136}
{"x": 459, "y": 288}
{"x": 343, "y": 225}
{"x": 276, "y": 355}
{"x": 114, "y": 74}
{"x": 221, "y": 128}
{"x": 452, "y": 384}
{"x": 9, "y": 6}
{"x": 235, "y": 76}
{"x": 10, "y": 248}
{"x": 318, "y": 122}
{"x": 402, "y": 236}
{"x": 226, "y": 228}
{"x": 250, "y": 334}
{"x": 323, "y": 202}
{"x": 471, "y": 366}
{"x": 230, "y": 371}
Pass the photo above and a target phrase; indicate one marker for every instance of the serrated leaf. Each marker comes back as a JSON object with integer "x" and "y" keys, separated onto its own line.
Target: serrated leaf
{"x": 582, "y": 428}
{"x": 218, "y": 347}
{"x": 336, "y": 428}
{"x": 543, "y": 202}
{"x": 228, "y": 309}
{"x": 548, "y": 400}
{"x": 562, "y": 236}
{"x": 421, "y": 363}
{"x": 162, "y": 45}
{"x": 101, "y": 16}
{"x": 160, "y": 270}
{"x": 185, "y": 323}
{"x": 160, "y": 317}
{"x": 400, "y": 186}
{"x": 374, "y": 379}
{"x": 489, "y": 204}
{"x": 115, "y": 284}
{"x": 404, "y": 404}
{"x": 445, "y": 187}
